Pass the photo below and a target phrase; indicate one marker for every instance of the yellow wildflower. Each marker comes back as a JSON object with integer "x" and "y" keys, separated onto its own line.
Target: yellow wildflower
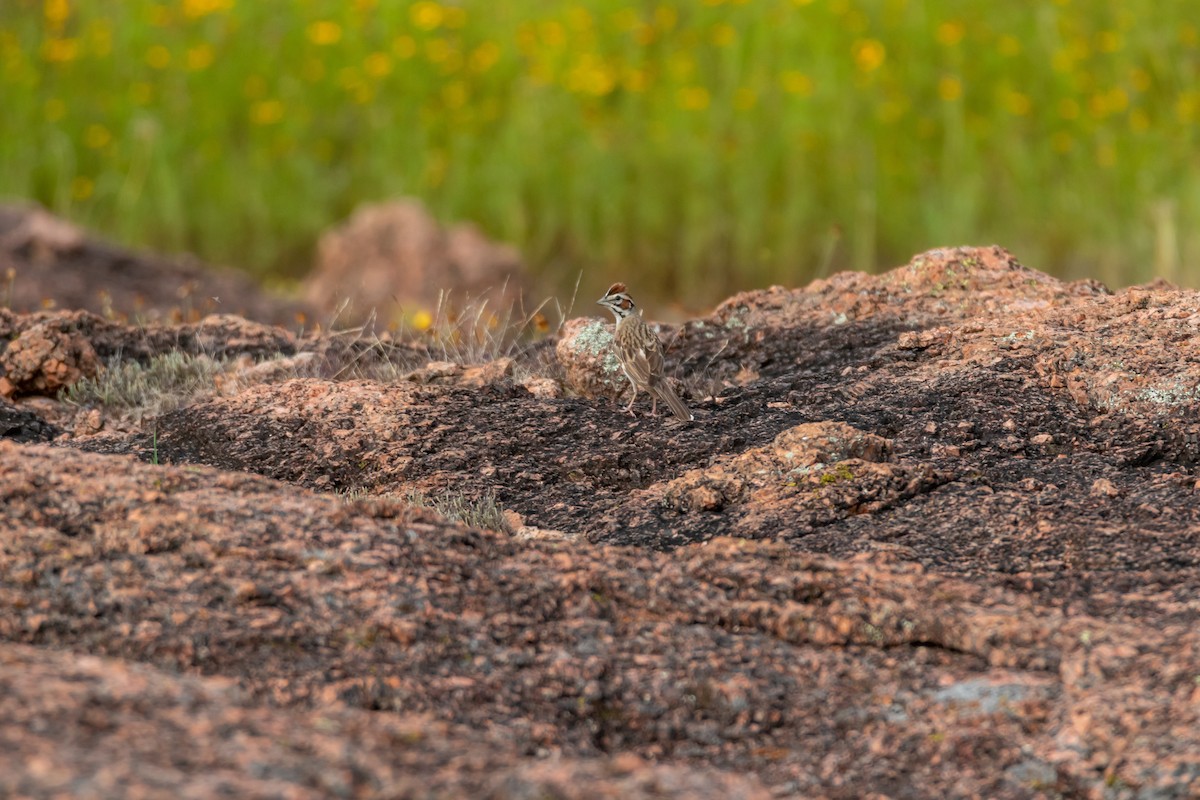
{"x": 56, "y": 13}
{"x": 324, "y": 32}
{"x": 1108, "y": 41}
{"x": 796, "y": 82}
{"x": 454, "y": 94}
{"x": 266, "y": 112}
{"x": 1009, "y": 45}
{"x": 82, "y": 187}
{"x": 377, "y": 65}
{"x": 723, "y": 34}
{"x": 950, "y": 33}
{"x": 949, "y": 88}
{"x": 484, "y": 57}
{"x": 1018, "y": 104}
{"x": 96, "y": 136}
{"x": 158, "y": 57}
{"x": 869, "y": 54}
{"x": 200, "y": 57}
{"x": 693, "y": 98}
{"x": 427, "y": 15}
{"x": 60, "y": 51}
{"x": 196, "y": 9}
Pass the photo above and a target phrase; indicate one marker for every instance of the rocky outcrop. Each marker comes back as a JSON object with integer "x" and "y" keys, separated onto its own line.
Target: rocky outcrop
{"x": 209, "y": 741}
{"x": 932, "y": 533}
{"x": 217, "y": 336}
{"x": 741, "y": 656}
{"x": 590, "y": 367}
{"x": 45, "y": 359}
{"x": 394, "y": 258}
{"x": 48, "y": 263}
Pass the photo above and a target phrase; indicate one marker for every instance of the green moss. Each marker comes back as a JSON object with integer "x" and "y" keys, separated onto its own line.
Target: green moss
{"x": 840, "y": 472}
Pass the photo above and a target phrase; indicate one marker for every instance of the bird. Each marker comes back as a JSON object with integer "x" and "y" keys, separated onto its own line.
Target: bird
{"x": 640, "y": 353}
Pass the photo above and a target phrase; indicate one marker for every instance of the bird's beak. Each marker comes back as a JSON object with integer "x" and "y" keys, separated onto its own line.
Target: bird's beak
{"x": 600, "y": 302}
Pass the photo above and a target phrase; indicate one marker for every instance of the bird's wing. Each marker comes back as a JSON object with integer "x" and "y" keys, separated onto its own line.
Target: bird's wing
{"x": 639, "y": 367}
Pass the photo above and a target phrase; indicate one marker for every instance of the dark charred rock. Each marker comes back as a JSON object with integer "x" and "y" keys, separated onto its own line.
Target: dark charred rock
{"x": 22, "y": 425}
{"x": 45, "y": 262}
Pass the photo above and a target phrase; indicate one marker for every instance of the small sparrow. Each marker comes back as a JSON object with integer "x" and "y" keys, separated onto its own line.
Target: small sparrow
{"x": 640, "y": 353}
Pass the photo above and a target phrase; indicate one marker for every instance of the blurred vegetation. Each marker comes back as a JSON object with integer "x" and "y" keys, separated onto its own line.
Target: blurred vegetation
{"x": 708, "y": 144}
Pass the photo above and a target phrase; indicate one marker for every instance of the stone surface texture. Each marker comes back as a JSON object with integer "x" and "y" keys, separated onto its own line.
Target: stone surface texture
{"x": 933, "y": 533}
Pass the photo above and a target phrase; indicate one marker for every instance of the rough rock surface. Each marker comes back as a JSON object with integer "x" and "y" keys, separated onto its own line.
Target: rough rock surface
{"x": 202, "y": 738}
{"x": 21, "y": 425}
{"x": 938, "y": 536}
{"x": 590, "y": 367}
{"x": 46, "y": 262}
{"x": 392, "y": 258}
{"x": 46, "y": 358}
{"x": 217, "y": 335}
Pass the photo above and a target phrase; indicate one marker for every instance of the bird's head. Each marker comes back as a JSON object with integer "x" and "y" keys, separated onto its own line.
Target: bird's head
{"x": 618, "y": 301}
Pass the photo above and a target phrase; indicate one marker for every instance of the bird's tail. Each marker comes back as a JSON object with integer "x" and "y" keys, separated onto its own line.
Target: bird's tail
{"x": 667, "y": 395}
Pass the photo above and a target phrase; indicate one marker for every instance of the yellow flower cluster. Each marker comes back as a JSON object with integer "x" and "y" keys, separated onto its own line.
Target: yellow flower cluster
{"x": 404, "y": 90}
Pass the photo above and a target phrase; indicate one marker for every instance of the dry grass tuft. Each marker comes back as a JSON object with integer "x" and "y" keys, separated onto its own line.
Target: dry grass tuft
{"x": 164, "y": 383}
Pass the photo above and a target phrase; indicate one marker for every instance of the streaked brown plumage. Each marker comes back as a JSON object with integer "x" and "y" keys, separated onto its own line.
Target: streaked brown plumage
{"x": 640, "y": 353}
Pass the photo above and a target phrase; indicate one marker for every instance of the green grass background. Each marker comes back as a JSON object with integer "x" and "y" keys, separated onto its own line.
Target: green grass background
{"x": 690, "y": 146}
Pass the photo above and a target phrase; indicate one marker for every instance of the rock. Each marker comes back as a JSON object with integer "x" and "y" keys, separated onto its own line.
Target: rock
{"x": 210, "y": 741}
{"x": 45, "y": 359}
{"x": 216, "y": 336}
{"x": 543, "y": 388}
{"x": 436, "y": 372}
{"x": 23, "y": 425}
{"x": 479, "y": 375}
{"x": 36, "y": 231}
{"x": 247, "y": 372}
{"x": 589, "y": 363}
{"x": 46, "y": 262}
{"x": 730, "y": 664}
{"x": 938, "y": 530}
{"x": 91, "y": 422}
{"x": 585, "y": 351}
{"x": 475, "y": 376}
{"x": 809, "y": 475}
{"x": 392, "y": 258}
